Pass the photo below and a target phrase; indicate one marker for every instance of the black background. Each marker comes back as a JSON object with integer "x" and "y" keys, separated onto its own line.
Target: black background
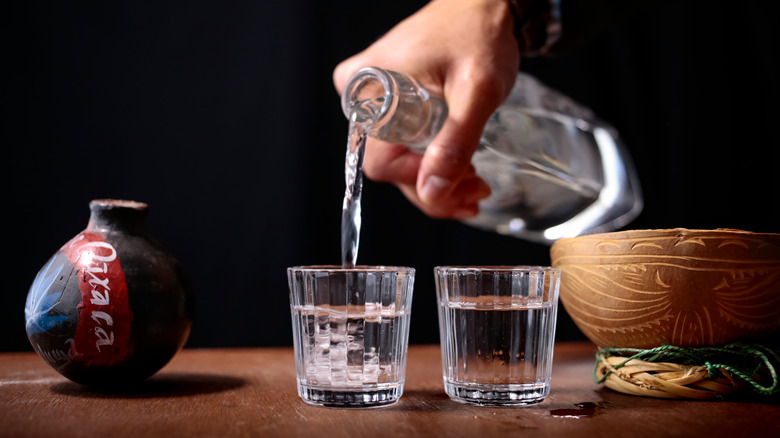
{"x": 223, "y": 118}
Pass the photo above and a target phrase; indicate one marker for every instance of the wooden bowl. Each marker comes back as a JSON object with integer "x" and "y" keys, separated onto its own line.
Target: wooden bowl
{"x": 647, "y": 288}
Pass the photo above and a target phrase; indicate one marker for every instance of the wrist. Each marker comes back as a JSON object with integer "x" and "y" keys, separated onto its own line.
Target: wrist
{"x": 537, "y": 24}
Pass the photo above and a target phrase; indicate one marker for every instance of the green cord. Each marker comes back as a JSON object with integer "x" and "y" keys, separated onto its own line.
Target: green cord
{"x": 741, "y": 360}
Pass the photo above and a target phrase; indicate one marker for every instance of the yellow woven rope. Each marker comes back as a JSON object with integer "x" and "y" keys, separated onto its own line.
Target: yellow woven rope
{"x": 674, "y": 372}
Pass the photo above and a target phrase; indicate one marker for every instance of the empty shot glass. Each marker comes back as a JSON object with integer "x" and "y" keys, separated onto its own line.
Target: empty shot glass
{"x": 350, "y": 332}
{"x": 497, "y": 328}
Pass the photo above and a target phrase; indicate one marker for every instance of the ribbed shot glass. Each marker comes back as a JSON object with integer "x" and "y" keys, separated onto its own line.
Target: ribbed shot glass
{"x": 350, "y": 332}
{"x": 497, "y": 328}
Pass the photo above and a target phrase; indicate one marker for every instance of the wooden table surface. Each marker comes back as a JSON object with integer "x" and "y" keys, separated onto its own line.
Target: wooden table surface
{"x": 252, "y": 392}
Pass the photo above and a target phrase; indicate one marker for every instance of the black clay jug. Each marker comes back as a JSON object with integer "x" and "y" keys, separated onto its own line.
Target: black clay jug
{"x": 111, "y": 307}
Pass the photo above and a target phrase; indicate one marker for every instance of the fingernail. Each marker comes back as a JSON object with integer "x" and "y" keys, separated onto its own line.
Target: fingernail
{"x": 434, "y": 188}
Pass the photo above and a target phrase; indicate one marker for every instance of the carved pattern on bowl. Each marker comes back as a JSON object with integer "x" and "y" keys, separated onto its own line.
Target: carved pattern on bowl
{"x": 682, "y": 287}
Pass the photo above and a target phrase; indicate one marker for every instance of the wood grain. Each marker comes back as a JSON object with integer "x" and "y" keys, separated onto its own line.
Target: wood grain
{"x": 252, "y": 392}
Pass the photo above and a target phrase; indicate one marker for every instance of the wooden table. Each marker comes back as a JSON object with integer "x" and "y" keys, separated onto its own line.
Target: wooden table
{"x": 251, "y": 392}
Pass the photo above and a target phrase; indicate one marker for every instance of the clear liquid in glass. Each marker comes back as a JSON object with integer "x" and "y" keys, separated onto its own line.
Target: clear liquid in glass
{"x": 497, "y": 352}
{"x": 351, "y": 358}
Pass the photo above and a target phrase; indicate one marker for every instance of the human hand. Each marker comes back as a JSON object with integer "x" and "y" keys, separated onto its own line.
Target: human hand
{"x": 465, "y": 51}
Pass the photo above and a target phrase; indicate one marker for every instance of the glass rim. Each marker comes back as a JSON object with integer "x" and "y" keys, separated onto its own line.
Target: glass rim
{"x": 496, "y": 268}
{"x": 358, "y": 268}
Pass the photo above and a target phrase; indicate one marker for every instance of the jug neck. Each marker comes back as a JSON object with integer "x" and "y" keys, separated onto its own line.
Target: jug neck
{"x": 117, "y": 215}
{"x": 393, "y": 107}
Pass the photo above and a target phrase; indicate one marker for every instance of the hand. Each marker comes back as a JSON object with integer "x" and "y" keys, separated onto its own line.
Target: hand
{"x": 465, "y": 51}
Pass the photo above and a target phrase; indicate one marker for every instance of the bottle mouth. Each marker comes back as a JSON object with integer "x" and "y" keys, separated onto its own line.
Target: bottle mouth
{"x": 118, "y": 203}
{"x": 117, "y": 214}
{"x": 369, "y": 96}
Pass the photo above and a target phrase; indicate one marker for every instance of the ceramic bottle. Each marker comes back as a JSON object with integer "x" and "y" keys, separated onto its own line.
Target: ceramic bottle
{"x": 112, "y": 306}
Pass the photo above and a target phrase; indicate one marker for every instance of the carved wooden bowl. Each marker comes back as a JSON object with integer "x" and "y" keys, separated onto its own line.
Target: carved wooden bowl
{"x": 682, "y": 287}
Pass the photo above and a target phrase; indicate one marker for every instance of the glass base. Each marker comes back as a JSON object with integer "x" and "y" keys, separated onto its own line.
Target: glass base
{"x": 339, "y": 398}
{"x": 497, "y": 395}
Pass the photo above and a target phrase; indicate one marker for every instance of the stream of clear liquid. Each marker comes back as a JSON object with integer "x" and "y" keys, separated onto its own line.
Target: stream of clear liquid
{"x": 350, "y": 213}
{"x": 361, "y": 118}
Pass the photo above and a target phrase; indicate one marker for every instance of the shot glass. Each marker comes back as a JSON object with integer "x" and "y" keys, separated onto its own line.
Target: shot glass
{"x": 350, "y": 332}
{"x": 497, "y": 328}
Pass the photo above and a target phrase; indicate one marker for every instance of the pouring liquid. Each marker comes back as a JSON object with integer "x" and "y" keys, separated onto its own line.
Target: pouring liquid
{"x": 361, "y": 118}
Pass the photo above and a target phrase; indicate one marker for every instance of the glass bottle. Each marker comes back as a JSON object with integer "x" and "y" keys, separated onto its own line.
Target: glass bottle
{"x": 555, "y": 170}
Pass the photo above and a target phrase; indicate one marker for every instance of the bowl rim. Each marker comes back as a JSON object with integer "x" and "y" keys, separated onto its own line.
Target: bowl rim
{"x": 649, "y": 232}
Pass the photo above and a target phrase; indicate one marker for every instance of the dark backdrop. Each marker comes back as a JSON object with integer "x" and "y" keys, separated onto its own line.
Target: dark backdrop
{"x": 222, "y": 117}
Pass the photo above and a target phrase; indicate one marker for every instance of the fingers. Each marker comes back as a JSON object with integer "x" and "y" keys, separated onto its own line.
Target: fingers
{"x": 397, "y": 165}
{"x": 472, "y": 99}
{"x": 464, "y": 51}
{"x": 444, "y": 165}
{"x": 442, "y": 183}
{"x": 391, "y": 163}
{"x": 462, "y": 204}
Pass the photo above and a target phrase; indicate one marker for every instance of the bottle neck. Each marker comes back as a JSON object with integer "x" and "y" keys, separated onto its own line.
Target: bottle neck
{"x": 117, "y": 215}
{"x": 393, "y": 107}
{"x": 369, "y": 97}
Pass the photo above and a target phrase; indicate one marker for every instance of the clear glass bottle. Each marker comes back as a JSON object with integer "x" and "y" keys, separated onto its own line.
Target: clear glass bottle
{"x": 555, "y": 170}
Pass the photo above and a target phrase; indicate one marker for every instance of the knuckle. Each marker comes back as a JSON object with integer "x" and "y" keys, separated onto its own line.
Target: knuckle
{"x": 486, "y": 87}
{"x": 342, "y": 73}
{"x": 450, "y": 155}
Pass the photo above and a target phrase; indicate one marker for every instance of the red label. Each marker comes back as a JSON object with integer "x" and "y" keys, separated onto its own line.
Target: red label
{"x": 103, "y": 330}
